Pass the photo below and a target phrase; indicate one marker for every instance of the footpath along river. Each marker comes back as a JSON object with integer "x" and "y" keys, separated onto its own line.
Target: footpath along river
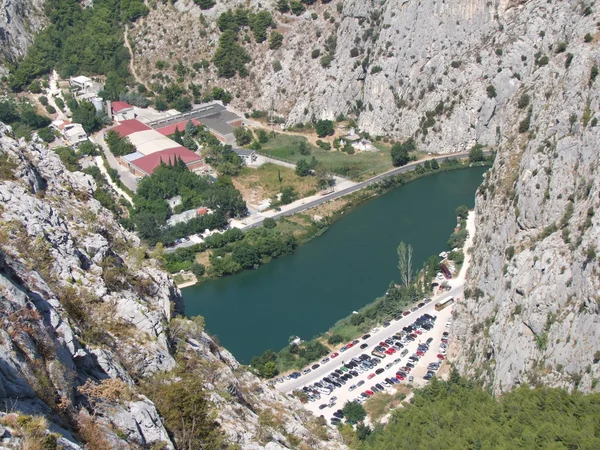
{"x": 339, "y": 272}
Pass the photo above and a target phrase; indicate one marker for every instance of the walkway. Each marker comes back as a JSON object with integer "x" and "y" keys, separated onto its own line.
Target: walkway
{"x": 131, "y": 65}
{"x": 126, "y": 177}
{"x": 121, "y": 192}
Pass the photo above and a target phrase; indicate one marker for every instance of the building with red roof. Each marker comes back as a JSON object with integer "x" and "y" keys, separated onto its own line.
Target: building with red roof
{"x": 128, "y": 127}
{"x": 145, "y": 165}
{"x": 169, "y": 130}
{"x": 120, "y": 107}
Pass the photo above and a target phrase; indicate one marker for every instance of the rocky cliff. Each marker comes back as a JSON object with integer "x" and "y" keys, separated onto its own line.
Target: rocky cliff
{"x": 91, "y": 350}
{"x": 19, "y": 21}
{"x": 532, "y": 306}
{"x": 402, "y": 68}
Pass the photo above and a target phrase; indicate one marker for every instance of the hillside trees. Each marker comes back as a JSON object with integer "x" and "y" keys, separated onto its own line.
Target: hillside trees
{"x": 80, "y": 41}
{"x": 400, "y": 156}
{"x": 230, "y": 57}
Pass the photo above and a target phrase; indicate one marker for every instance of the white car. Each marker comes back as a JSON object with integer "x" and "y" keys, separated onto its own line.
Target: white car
{"x": 374, "y": 330}
{"x": 351, "y": 388}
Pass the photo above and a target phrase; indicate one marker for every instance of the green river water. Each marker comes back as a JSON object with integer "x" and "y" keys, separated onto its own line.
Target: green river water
{"x": 341, "y": 271}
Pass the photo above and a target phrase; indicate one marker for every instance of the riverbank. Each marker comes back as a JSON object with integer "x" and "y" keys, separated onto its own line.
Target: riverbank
{"x": 397, "y": 302}
{"x": 304, "y": 227}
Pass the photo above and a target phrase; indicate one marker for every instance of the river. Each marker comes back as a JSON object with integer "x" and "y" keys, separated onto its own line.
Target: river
{"x": 341, "y": 271}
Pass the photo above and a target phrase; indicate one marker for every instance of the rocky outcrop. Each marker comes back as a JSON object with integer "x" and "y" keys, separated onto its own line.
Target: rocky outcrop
{"x": 401, "y": 68}
{"x": 531, "y": 310}
{"x": 87, "y": 318}
{"x": 20, "y": 20}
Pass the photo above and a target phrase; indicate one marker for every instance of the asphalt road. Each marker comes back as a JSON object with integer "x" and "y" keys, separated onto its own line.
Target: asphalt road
{"x": 358, "y": 186}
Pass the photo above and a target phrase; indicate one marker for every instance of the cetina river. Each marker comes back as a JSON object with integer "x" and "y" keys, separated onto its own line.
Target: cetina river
{"x": 339, "y": 272}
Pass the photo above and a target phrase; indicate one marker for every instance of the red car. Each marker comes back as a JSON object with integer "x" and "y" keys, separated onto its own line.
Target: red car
{"x": 350, "y": 345}
{"x": 334, "y": 355}
{"x": 406, "y": 313}
{"x": 406, "y": 369}
{"x": 413, "y": 335}
{"x": 389, "y": 351}
{"x": 371, "y": 375}
{"x": 440, "y": 356}
{"x": 369, "y": 392}
{"x": 399, "y": 377}
{"x": 384, "y": 344}
{"x": 418, "y": 332}
{"x": 445, "y": 340}
{"x": 420, "y": 353}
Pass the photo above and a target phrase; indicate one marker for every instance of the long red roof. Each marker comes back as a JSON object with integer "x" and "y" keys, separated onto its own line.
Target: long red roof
{"x": 170, "y": 129}
{"x": 150, "y": 162}
{"x": 131, "y": 126}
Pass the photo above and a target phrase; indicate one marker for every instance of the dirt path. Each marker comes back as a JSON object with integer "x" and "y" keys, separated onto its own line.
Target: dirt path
{"x": 131, "y": 65}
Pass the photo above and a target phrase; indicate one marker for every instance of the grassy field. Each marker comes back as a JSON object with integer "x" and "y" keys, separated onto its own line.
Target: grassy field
{"x": 264, "y": 182}
{"x": 359, "y": 166}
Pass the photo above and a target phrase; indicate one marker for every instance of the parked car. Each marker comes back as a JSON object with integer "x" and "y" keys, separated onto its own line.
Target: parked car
{"x": 324, "y": 360}
{"x": 363, "y": 346}
{"x": 323, "y": 406}
{"x": 335, "y": 355}
{"x": 315, "y": 366}
{"x": 360, "y": 383}
{"x": 440, "y": 356}
{"x": 371, "y": 375}
{"x": 366, "y": 336}
{"x": 305, "y": 371}
{"x": 369, "y": 392}
{"x": 351, "y": 388}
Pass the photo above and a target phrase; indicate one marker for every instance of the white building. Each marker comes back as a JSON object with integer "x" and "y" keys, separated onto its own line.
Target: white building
{"x": 248, "y": 156}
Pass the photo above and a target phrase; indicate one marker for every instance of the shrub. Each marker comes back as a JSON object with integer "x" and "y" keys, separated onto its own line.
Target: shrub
{"x": 269, "y": 223}
{"x": 43, "y": 100}
{"x": 50, "y": 109}
{"x": 491, "y": 91}
{"x": 354, "y": 52}
{"x": 277, "y": 66}
{"x": 561, "y": 47}
{"x": 315, "y": 53}
{"x": 326, "y": 61}
{"x": 46, "y": 135}
{"x": 275, "y": 40}
{"x": 376, "y": 69}
{"x": 542, "y": 61}
{"x": 523, "y": 101}
{"x": 198, "y": 269}
{"x": 588, "y": 38}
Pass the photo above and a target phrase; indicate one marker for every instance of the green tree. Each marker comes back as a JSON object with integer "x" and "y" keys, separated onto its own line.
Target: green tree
{"x": 198, "y": 269}
{"x": 491, "y": 91}
{"x": 245, "y": 254}
{"x": 282, "y": 6}
{"x": 85, "y": 114}
{"x": 324, "y": 128}
{"x": 243, "y": 136}
{"x": 476, "y": 153}
{"x": 269, "y": 370}
{"x": 269, "y": 223}
{"x": 434, "y": 164}
{"x": 205, "y": 4}
{"x": 275, "y": 40}
{"x": 302, "y": 168}
{"x": 230, "y": 58}
{"x": 462, "y": 212}
{"x": 400, "y": 156}
{"x": 288, "y": 195}
{"x": 354, "y": 412}
{"x": 46, "y": 135}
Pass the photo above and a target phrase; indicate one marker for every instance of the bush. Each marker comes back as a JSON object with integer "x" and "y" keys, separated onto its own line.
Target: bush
{"x": 476, "y": 153}
{"x": 269, "y": 223}
{"x": 523, "y": 101}
{"x": 525, "y": 123}
{"x": 277, "y": 66}
{"x": 354, "y": 52}
{"x": 50, "y": 109}
{"x": 43, "y": 100}
{"x": 324, "y": 128}
{"x": 324, "y": 145}
{"x": 315, "y": 53}
{"x": 46, "y": 135}
{"x": 588, "y": 38}
{"x": 400, "y": 156}
{"x": 275, "y": 40}
{"x": 198, "y": 269}
{"x": 326, "y": 61}
{"x": 491, "y": 91}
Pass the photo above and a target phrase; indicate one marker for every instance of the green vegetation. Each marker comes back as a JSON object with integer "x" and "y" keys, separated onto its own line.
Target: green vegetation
{"x": 81, "y": 41}
{"x": 400, "y": 156}
{"x": 466, "y": 416}
{"x": 22, "y": 117}
{"x": 491, "y": 91}
{"x": 324, "y": 128}
{"x": 167, "y": 181}
{"x": 119, "y": 146}
{"x": 354, "y": 412}
{"x": 476, "y": 153}
{"x": 361, "y": 165}
{"x": 292, "y": 357}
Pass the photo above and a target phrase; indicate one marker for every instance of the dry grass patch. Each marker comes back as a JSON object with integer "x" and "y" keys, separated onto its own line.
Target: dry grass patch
{"x": 267, "y": 181}
{"x": 381, "y": 403}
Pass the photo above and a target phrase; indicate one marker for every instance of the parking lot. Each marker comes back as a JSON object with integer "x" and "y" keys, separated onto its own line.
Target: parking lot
{"x": 356, "y": 374}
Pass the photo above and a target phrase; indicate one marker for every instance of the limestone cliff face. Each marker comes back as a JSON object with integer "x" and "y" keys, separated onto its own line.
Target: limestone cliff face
{"x": 532, "y": 311}
{"x": 403, "y": 68}
{"x": 83, "y": 305}
{"x": 19, "y": 21}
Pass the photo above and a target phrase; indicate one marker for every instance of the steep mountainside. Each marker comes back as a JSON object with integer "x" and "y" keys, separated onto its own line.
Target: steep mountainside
{"x": 402, "y": 67}
{"x": 19, "y": 21}
{"x": 534, "y": 291}
{"x": 89, "y": 337}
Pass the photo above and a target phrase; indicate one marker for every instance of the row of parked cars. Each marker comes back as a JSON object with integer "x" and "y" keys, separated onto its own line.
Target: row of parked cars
{"x": 393, "y": 344}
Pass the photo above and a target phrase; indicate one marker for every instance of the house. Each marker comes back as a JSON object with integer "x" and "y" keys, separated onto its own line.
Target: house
{"x": 85, "y": 87}
{"x": 74, "y": 133}
{"x": 358, "y": 143}
{"x": 248, "y": 156}
{"x": 122, "y": 111}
